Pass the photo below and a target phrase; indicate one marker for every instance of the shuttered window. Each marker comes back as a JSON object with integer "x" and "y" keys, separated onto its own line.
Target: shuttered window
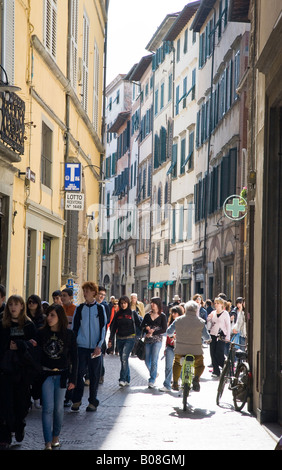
{"x": 182, "y": 156}
{"x": 96, "y": 84}
{"x": 73, "y": 40}
{"x": 46, "y": 155}
{"x": 50, "y": 27}
{"x": 8, "y": 47}
{"x": 85, "y": 62}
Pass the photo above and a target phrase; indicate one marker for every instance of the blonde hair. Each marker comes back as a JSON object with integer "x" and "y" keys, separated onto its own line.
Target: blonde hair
{"x": 220, "y": 300}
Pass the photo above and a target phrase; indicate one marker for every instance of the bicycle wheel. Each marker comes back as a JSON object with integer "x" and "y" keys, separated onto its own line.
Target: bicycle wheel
{"x": 240, "y": 386}
{"x": 224, "y": 378}
{"x": 185, "y": 395}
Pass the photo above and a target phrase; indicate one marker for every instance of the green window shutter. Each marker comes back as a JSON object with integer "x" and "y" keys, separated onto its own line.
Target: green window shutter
{"x": 156, "y": 151}
{"x": 163, "y": 144}
{"x": 182, "y": 156}
{"x": 191, "y": 150}
{"x": 184, "y": 91}
{"x": 177, "y": 100}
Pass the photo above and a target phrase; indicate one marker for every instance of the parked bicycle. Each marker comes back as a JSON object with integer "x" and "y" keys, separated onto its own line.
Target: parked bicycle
{"x": 237, "y": 373}
{"x": 187, "y": 375}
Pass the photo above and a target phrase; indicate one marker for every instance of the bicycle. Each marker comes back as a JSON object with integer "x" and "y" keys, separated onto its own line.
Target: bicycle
{"x": 239, "y": 377}
{"x": 187, "y": 375}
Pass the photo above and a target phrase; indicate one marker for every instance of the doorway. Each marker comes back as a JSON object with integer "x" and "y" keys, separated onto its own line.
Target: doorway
{"x": 45, "y": 276}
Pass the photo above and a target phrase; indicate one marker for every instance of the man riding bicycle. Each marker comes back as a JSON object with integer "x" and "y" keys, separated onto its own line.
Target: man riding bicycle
{"x": 190, "y": 330}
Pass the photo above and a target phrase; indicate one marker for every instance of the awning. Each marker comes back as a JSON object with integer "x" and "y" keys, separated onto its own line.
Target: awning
{"x": 159, "y": 284}
{"x": 150, "y": 285}
{"x": 169, "y": 283}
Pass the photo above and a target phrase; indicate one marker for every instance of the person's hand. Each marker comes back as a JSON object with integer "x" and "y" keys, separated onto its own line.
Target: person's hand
{"x": 71, "y": 386}
{"x": 96, "y": 352}
{"x": 13, "y": 346}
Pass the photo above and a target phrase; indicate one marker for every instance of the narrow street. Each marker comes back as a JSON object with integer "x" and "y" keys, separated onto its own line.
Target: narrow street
{"x": 142, "y": 419}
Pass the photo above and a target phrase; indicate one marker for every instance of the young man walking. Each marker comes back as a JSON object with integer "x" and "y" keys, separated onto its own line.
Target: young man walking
{"x": 89, "y": 326}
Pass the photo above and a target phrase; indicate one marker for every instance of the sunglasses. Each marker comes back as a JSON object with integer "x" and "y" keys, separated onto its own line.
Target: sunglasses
{"x": 32, "y": 302}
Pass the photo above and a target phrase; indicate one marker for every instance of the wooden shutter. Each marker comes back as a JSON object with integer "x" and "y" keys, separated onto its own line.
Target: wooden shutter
{"x": 50, "y": 27}
{"x": 8, "y": 48}
{"x": 73, "y": 40}
{"x": 85, "y": 62}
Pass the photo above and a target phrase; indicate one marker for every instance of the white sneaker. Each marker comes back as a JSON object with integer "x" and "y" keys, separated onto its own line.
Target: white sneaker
{"x": 37, "y": 404}
{"x": 151, "y": 385}
{"x": 164, "y": 389}
{"x": 122, "y": 384}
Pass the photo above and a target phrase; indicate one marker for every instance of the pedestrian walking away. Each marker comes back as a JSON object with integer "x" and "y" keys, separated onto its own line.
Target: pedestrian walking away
{"x": 89, "y": 326}
{"x": 59, "y": 363}
{"x": 169, "y": 350}
{"x": 190, "y": 330}
{"x": 124, "y": 325}
{"x": 154, "y": 325}
{"x": 17, "y": 369}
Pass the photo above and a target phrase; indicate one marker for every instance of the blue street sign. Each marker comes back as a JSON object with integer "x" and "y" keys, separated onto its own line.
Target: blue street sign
{"x": 70, "y": 283}
{"x": 72, "y": 176}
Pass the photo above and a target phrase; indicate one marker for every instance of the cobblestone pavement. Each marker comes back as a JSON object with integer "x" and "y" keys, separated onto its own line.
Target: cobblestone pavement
{"x": 139, "y": 418}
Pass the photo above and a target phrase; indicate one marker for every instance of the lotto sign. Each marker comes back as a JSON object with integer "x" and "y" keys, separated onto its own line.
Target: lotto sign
{"x": 74, "y": 202}
{"x": 72, "y": 176}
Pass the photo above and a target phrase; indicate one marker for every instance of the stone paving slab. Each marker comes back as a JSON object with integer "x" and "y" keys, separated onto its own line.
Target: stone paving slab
{"x": 138, "y": 418}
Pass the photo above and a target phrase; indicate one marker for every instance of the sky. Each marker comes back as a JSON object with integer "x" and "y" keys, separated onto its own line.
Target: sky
{"x": 131, "y": 25}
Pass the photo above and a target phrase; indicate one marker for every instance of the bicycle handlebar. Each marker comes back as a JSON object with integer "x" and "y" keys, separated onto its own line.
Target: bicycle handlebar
{"x": 232, "y": 342}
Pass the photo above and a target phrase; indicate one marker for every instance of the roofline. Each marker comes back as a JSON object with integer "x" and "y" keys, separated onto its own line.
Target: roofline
{"x": 183, "y": 18}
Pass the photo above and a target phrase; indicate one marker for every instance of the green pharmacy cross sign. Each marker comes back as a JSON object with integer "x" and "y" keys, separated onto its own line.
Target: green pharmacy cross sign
{"x": 235, "y": 207}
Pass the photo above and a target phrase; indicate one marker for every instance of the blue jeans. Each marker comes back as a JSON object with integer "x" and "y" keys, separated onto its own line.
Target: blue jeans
{"x": 151, "y": 359}
{"x": 52, "y": 407}
{"x": 125, "y": 347}
{"x": 169, "y": 356}
{"x": 93, "y": 367}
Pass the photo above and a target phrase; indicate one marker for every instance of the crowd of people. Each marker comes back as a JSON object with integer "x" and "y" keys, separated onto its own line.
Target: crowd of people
{"x": 48, "y": 353}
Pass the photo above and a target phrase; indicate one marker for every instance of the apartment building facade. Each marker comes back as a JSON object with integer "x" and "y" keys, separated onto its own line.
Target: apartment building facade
{"x": 58, "y": 57}
{"x": 143, "y": 75}
{"x": 182, "y": 168}
{"x": 162, "y": 133}
{"x": 118, "y": 101}
{"x": 220, "y": 139}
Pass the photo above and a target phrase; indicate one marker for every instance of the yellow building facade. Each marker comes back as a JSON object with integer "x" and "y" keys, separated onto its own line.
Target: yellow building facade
{"x": 58, "y": 62}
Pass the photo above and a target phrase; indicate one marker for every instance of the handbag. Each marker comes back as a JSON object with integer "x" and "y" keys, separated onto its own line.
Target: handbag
{"x": 140, "y": 349}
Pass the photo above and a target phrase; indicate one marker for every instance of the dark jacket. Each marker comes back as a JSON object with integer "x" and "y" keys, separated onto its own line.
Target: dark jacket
{"x": 59, "y": 351}
{"x": 125, "y": 323}
{"x": 18, "y": 369}
{"x": 159, "y": 325}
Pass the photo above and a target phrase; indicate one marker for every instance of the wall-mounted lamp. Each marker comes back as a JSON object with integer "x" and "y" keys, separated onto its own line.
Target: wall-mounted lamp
{"x": 5, "y": 86}
{"x": 95, "y": 166}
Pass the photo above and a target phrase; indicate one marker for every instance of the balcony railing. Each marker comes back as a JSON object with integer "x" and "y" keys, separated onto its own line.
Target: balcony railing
{"x": 12, "y": 116}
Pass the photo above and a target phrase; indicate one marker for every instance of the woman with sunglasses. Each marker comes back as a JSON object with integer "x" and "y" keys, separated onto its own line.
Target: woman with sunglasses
{"x": 34, "y": 310}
